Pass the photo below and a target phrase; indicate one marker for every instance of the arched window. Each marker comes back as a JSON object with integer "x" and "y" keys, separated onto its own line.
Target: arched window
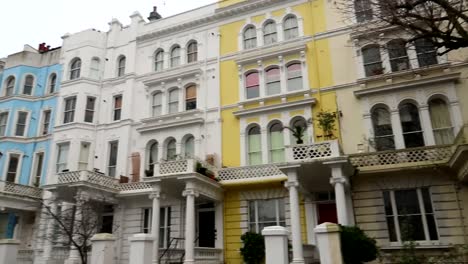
{"x": 191, "y": 97}
{"x": 192, "y": 52}
{"x": 276, "y": 143}
{"x": 159, "y": 60}
{"x": 121, "y": 66}
{"x": 254, "y": 142}
{"x": 295, "y": 77}
{"x": 383, "y": 132}
{"x": 363, "y": 10}
{"x": 426, "y": 52}
{"x": 171, "y": 151}
{"x": 398, "y": 56}
{"x": 75, "y": 69}
{"x": 175, "y": 56}
{"x": 10, "y": 86}
{"x": 411, "y": 125}
{"x": 441, "y": 121}
{"x": 189, "y": 147}
{"x": 94, "y": 69}
{"x": 372, "y": 60}
{"x": 250, "y": 37}
{"x": 173, "y": 101}
{"x": 273, "y": 83}
{"x": 291, "y": 29}
{"x": 153, "y": 155}
{"x": 252, "y": 85}
{"x": 28, "y": 85}
{"x": 269, "y": 33}
{"x": 52, "y": 82}
{"x": 299, "y": 125}
{"x": 157, "y": 104}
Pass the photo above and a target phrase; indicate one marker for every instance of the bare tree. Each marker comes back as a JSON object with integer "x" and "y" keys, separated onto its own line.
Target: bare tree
{"x": 74, "y": 224}
{"x": 443, "y": 23}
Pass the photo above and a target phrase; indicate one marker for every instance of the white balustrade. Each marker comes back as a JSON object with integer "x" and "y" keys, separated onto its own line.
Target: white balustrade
{"x": 249, "y": 172}
{"x": 20, "y": 190}
{"x": 412, "y": 156}
{"x": 308, "y": 152}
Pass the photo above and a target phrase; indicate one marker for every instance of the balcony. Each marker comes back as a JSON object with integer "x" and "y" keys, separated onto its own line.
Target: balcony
{"x": 88, "y": 178}
{"x": 202, "y": 255}
{"x": 9, "y": 188}
{"x": 250, "y": 174}
{"x": 183, "y": 166}
{"x": 397, "y": 159}
{"x": 312, "y": 152}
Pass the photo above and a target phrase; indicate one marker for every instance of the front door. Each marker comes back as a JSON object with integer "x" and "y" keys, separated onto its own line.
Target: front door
{"x": 206, "y": 228}
{"x": 327, "y": 213}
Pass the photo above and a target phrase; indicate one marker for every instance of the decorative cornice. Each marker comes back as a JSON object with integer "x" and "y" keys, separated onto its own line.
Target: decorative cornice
{"x": 187, "y": 70}
{"x": 262, "y": 109}
{"x": 219, "y": 15}
{"x": 26, "y": 139}
{"x": 172, "y": 120}
{"x": 80, "y": 80}
{"x": 28, "y": 98}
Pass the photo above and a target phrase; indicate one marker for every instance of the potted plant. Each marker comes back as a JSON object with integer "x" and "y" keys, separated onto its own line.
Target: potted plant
{"x": 200, "y": 169}
{"x": 297, "y": 132}
{"x": 326, "y": 121}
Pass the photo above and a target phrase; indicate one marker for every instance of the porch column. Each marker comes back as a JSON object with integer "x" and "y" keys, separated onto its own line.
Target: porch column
{"x": 397, "y": 129}
{"x": 426, "y": 125}
{"x": 339, "y": 182}
{"x": 190, "y": 194}
{"x": 74, "y": 257}
{"x": 49, "y": 226}
{"x": 292, "y": 184}
{"x": 155, "y": 195}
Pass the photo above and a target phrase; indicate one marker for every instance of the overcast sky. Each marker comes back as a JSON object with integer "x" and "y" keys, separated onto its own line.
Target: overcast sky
{"x": 35, "y": 21}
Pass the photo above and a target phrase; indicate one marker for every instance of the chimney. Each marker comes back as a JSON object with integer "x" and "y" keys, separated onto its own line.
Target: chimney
{"x": 154, "y": 15}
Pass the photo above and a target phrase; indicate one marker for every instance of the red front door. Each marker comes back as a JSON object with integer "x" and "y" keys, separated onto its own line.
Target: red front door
{"x": 327, "y": 213}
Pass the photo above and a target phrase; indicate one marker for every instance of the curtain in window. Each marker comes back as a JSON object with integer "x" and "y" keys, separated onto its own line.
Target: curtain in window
{"x": 441, "y": 122}
{"x": 171, "y": 150}
{"x": 250, "y": 38}
{"x": 255, "y": 146}
{"x": 276, "y": 143}
{"x": 383, "y": 132}
{"x": 295, "y": 77}
{"x": 269, "y": 33}
{"x": 62, "y": 157}
{"x": 291, "y": 29}
{"x": 191, "y": 97}
{"x": 273, "y": 83}
{"x": 411, "y": 125}
{"x": 252, "y": 84}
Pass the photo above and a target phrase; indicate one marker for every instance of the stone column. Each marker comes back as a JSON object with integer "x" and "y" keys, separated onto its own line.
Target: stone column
{"x": 74, "y": 257}
{"x": 155, "y": 223}
{"x": 9, "y": 250}
{"x": 339, "y": 182}
{"x": 103, "y": 249}
{"x": 141, "y": 246}
{"x": 47, "y": 235}
{"x": 190, "y": 194}
{"x": 426, "y": 125}
{"x": 292, "y": 184}
{"x": 276, "y": 244}
{"x": 329, "y": 245}
{"x": 397, "y": 130}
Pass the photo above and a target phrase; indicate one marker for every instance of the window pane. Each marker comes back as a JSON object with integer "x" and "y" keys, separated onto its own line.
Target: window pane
{"x": 3, "y": 123}
{"x": 431, "y": 225}
{"x": 190, "y": 148}
{"x": 398, "y": 56}
{"x": 441, "y": 121}
{"x": 267, "y": 211}
{"x": 387, "y": 203}
{"x": 411, "y": 228}
{"x": 12, "y": 168}
{"x": 363, "y": 10}
{"x": 252, "y": 212}
{"x": 372, "y": 60}
{"x": 391, "y": 229}
{"x": 28, "y": 85}
{"x": 407, "y": 202}
{"x": 427, "y": 53}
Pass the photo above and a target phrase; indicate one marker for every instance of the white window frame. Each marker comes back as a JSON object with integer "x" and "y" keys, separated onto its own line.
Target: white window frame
{"x": 23, "y": 84}
{"x": 277, "y": 213}
{"x": 7, "y": 114}
{"x": 90, "y": 110}
{"x": 58, "y": 155}
{"x": 84, "y": 163}
{"x": 7, "y": 88}
{"x": 75, "y": 73}
{"x": 115, "y": 109}
{"x": 52, "y": 84}
{"x": 192, "y": 56}
{"x": 45, "y": 124}
{"x": 72, "y": 110}
{"x": 26, "y": 123}
{"x": 253, "y": 44}
{"x": 422, "y": 213}
{"x": 273, "y": 34}
{"x": 95, "y": 71}
{"x": 291, "y": 29}
{"x": 156, "y": 106}
{"x": 159, "y": 63}
{"x": 109, "y": 165}
{"x": 174, "y": 102}
{"x": 18, "y": 168}
{"x": 35, "y": 178}
{"x": 175, "y": 59}
{"x": 121, "y": 66}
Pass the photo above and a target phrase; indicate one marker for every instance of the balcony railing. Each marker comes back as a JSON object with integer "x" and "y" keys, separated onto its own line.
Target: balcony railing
{"x": 182, "y": 166}
{"x": 249, "y": 172}
{"x": 314, "y": 151}
{"x": 423, "y": 156}
{"x": 20, "y": 190}
{"x": 88, "y": 177}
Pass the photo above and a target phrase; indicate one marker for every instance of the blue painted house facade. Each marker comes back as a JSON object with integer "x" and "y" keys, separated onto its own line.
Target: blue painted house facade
{"x": 29, "y": 86}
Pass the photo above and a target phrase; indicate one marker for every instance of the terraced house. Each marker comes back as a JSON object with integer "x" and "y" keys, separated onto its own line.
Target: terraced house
{"x": 30, "y": 81}
{"x": 186, "y": 129}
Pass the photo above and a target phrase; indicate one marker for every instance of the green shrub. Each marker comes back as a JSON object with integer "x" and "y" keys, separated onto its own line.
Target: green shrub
{"x": 356, "y": 246}
{"x": 253, "y": 250}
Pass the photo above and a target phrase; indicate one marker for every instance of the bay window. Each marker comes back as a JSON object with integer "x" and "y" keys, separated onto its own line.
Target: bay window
{"x": 10, "y": 86}
{"x": 21, "y": 124}
{"x": 3, "y": 123}
{"x": 189, "y": 147}
{"x": 164, "y": 225}
{"x": 69, "y": 112}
